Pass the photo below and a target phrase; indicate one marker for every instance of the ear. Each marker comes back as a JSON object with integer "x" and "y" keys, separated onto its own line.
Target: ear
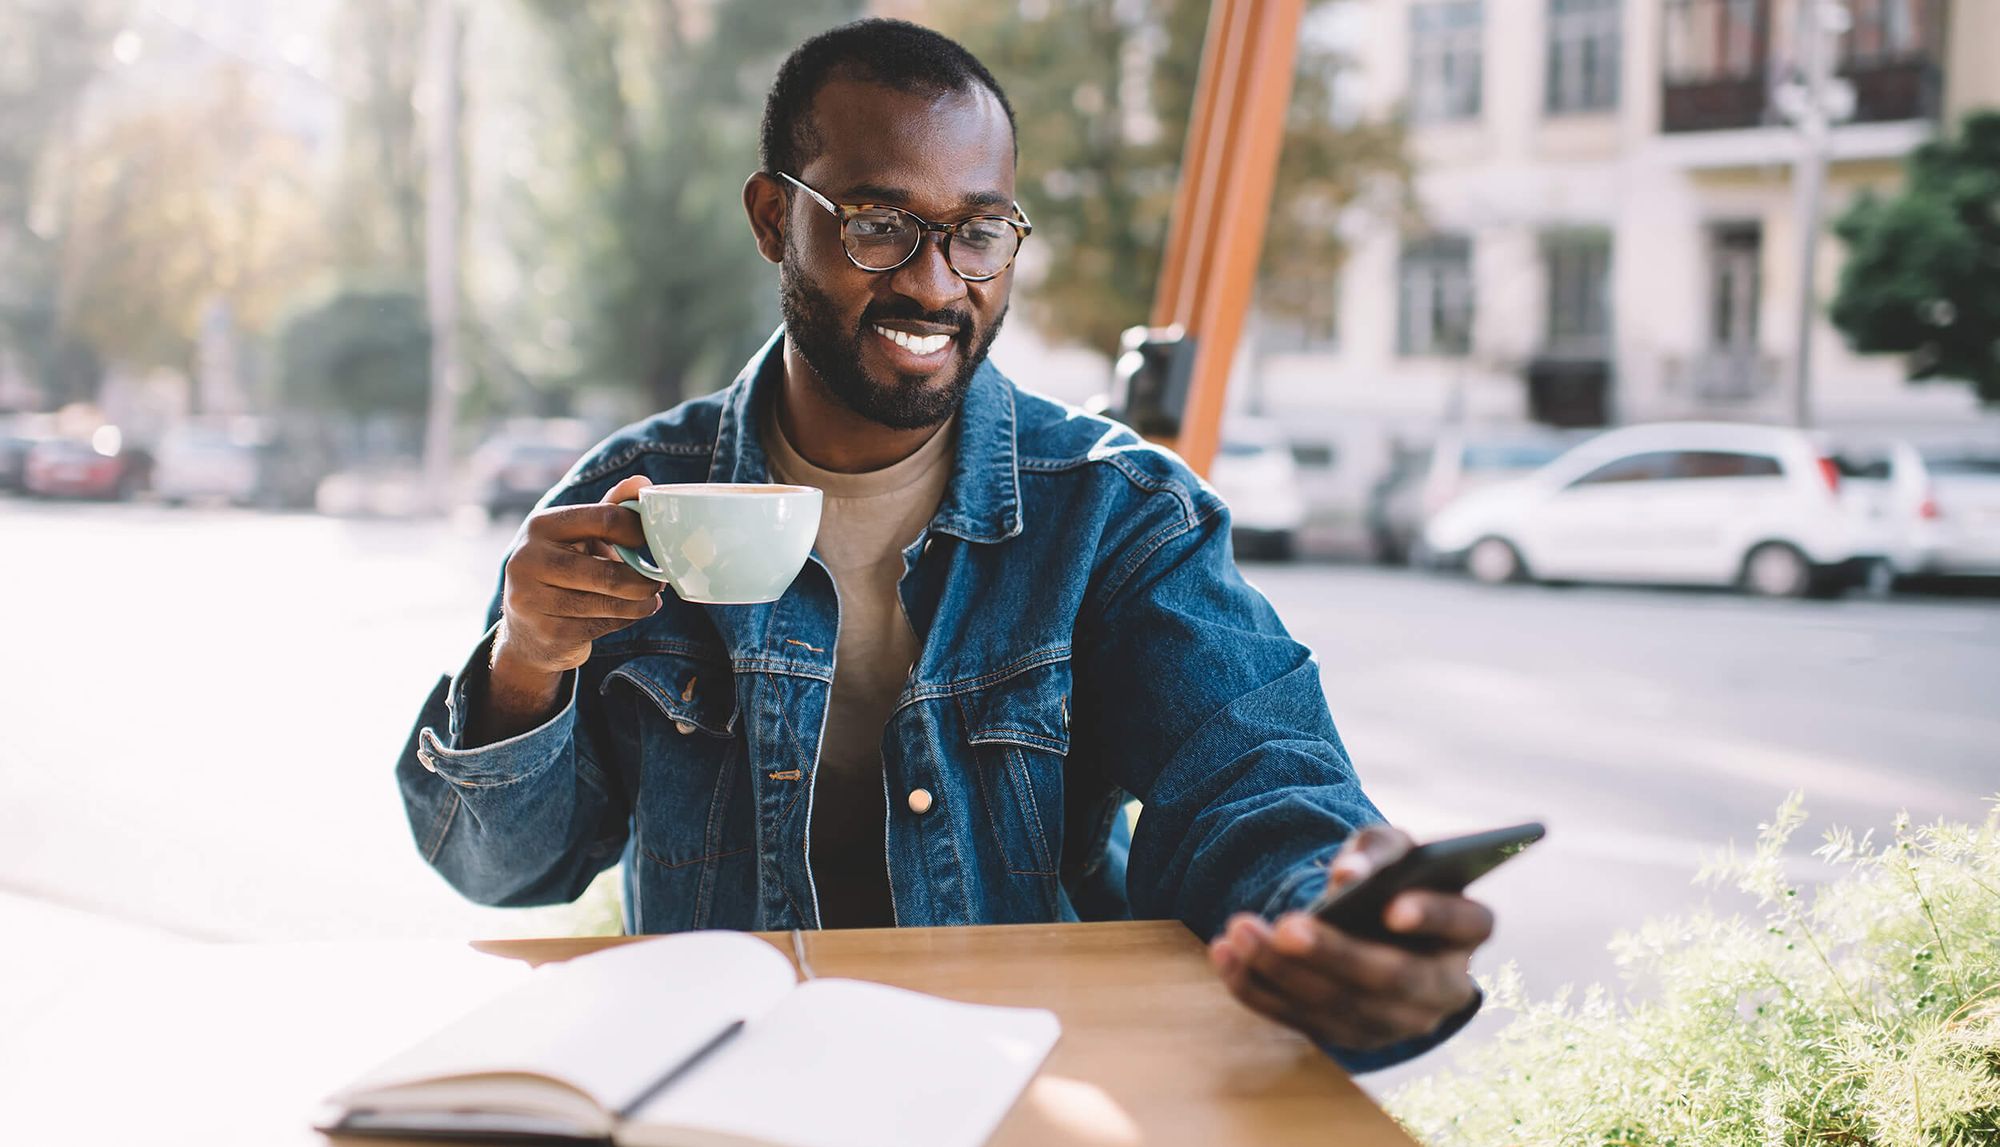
{"x": 765, "y": 202}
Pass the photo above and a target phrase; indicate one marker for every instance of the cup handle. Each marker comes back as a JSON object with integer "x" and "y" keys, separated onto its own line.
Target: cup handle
{"x": 632, "y": 557}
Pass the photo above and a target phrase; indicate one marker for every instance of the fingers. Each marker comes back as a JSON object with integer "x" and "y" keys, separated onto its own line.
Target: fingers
{"x": 626, "y": 489}
{"x": 564, "y": 589}
{"x": 1231, "y": 963}
{"x": 1354, "y": 993}
{"x": 1366, "y": 850}
{"x": 561, "y": 566}
{"x": 600, "y": 522}
{"x": 569, "y": 603}
{"x": 1451, "y": 919}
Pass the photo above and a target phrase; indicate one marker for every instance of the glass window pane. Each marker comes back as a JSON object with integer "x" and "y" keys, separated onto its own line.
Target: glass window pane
{"x": 1446, "y": 45}
{"x": 1436, "y": 295}
{"x": 1652, "y": 467}
{"x": 1585, "y": 39}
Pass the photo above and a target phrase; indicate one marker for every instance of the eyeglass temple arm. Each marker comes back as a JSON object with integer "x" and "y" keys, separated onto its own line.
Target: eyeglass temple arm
{"x": 822, "y": 200}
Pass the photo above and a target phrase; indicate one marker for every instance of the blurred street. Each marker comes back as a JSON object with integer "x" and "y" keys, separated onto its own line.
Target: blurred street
{"x": 202, "y": 708}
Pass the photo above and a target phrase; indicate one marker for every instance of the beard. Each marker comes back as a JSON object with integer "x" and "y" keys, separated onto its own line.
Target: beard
{"x": 901, "y": 401}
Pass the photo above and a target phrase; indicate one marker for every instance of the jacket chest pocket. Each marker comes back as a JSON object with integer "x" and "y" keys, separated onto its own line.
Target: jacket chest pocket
{"x": 1019, "y": 732}
{"x": 692, "y": 802}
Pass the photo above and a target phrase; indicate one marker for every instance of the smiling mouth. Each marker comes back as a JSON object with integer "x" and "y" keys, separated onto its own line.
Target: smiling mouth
{"x": 921, "y": 345}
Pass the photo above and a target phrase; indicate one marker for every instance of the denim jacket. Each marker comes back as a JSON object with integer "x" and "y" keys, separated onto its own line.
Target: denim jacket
{"x": 1084, "y": 638}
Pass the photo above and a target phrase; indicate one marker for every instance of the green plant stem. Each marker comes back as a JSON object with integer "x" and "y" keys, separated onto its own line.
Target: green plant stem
{"x": 1950, "y": 966}
{"x": 1792, "y": 913}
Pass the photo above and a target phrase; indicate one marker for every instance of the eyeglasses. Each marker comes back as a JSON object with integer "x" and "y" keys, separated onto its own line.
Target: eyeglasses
{"x": 878, "y": 237}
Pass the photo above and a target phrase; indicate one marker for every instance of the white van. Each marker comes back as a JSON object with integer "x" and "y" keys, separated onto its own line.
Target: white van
{"x": 1690, "y": 503}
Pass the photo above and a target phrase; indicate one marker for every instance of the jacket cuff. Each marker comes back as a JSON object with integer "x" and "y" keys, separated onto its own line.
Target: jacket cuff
{"x": 1374, "y": 1059}
{"x": 506, "y": 762}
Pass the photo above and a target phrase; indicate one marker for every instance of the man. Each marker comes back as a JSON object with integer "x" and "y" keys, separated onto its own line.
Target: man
{"x": 1016, "y": 615}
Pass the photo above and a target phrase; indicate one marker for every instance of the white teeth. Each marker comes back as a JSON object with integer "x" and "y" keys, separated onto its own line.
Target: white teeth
{"x": 916, "y": 344}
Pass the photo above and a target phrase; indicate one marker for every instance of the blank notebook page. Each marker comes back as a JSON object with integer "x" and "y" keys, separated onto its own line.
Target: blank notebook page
{"x": 841, "y": 1063}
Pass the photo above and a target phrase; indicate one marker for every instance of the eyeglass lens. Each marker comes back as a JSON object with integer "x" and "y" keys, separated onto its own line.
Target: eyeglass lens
{"x": 881, "y": 239}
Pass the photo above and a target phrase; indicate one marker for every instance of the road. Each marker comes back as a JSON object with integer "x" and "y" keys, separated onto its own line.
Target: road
{"x": 198, "y": 710}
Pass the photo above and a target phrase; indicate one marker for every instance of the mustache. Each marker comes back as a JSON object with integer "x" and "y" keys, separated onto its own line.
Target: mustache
{"x": 908, "y": 311}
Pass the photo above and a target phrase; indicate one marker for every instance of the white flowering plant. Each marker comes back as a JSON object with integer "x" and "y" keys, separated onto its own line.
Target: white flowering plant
{"x": 1861, "y": 1012}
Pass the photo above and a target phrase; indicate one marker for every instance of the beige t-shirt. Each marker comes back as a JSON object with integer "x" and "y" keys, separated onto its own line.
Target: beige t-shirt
{"x": 865, "y": 522}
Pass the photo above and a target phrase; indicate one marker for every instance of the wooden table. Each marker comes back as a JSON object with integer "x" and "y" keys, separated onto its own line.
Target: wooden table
{"x": 220, "y": 1045}
{"x": 1153, "y": 1050}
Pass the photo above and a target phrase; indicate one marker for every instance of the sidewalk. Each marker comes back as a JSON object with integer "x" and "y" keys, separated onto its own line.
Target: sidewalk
{"x": 50, "y": 945}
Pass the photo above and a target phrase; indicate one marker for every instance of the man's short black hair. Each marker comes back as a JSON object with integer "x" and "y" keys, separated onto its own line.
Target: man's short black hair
{"x": 895, "y": 53}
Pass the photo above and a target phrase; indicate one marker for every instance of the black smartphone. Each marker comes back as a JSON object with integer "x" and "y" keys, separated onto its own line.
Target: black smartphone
{"x": 1441, "y": 866}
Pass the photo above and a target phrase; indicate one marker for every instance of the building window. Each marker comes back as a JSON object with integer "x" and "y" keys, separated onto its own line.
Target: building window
{"x": 1446, "y": 60}
{"x": 1710, "y": 40}
{"x": 1584, "y": 47}
{"x": 1736, "y": 254}
{"x": 1579, "y": 266}
{"x": 1890, "y": 31}
{"x": 1435, "y": 287}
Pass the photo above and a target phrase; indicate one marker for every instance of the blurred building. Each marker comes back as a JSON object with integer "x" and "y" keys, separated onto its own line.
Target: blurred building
{"x": 1611, "y": 222}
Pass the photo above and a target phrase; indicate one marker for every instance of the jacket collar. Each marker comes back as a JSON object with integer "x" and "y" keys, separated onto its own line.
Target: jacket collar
{"x": 982, "y": 503}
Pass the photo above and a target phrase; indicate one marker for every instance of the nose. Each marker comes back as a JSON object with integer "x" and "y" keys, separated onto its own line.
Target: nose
{"x": 928, "y": 278}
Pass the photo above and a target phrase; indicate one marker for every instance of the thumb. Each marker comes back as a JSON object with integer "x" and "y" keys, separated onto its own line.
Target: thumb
{"x": 1368, "y": 849}
{"x": 627, "y": 489}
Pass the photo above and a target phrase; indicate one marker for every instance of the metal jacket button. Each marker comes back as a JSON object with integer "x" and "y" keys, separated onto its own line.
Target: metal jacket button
{"x": 684, "y": 727}
{"x": 920, "y": 801}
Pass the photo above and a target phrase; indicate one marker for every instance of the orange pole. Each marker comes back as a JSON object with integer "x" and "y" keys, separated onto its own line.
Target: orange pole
{"x": 1194, "y": 194}
{"x": 1223, "y": 202}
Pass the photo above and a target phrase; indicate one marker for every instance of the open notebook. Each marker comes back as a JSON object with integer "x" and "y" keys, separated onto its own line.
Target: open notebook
{"x": 704, "y": 1038}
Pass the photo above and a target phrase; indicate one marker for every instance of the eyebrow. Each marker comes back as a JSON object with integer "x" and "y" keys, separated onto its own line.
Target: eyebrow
{"x": 897, "y": 196}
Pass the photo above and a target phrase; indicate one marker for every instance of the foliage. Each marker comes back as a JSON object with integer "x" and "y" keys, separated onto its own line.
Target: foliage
{"x": 180, "y": 203}
{"x": 1922, "y": 276}
{"x": 1103, "y": 90}
{"x": 1867, "y": 1013}
{"x": 642, "y": 218}
{"x": 359, "y": 353}
{"x": 377, "y": 211}
{"x": 50, "y": 51}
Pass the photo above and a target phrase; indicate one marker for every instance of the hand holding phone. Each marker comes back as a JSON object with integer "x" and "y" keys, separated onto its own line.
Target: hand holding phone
{"x": 1447, "y": 865}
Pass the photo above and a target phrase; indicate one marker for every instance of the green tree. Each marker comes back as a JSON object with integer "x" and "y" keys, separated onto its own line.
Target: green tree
{"x": 181, "y": 203}
{"x": 358, "y": 354}
{"x": 50, "y": 52}
{"x": 659, "y": 111}
{"x": 1922, "y": 276}
{"x": 1102, "y": 90}
{"x": 378, "y": 202}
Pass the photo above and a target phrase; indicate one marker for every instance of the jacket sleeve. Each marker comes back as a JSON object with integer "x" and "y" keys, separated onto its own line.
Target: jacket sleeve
{"x": 528, "y": 820}
{"x": 1201, "y": 703}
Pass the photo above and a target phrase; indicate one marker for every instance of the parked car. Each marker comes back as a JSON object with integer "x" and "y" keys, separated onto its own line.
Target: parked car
{"x": 101, "y": 467}
{"x": 1759, "y": 507}
{"x": 240, "y": 461}
{"x": 513, "y": 469}
{"x": 209, "y": 462}
{"x": 1944, "y": 506}
{"x": 1421, "y": 482}
{"x": 1258, "y": 479}
{"x": 18, "y": 435}
{"x": 385, "y": 487}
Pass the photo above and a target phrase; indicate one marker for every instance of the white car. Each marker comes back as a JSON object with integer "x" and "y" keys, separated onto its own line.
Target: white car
{"x": 211, "y": 461}
{"x": 1944, "y": 508}
{"x": 1257, "y": 477}
{"x": 1760, "y": 507}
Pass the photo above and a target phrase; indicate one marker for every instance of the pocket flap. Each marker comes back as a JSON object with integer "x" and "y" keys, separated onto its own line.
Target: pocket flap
{"x": 1029, "y": 708}
{"x": 689, "y": 690}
